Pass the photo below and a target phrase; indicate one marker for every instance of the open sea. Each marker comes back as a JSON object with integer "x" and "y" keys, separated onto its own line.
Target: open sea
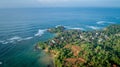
{"x": 22, "y": 28}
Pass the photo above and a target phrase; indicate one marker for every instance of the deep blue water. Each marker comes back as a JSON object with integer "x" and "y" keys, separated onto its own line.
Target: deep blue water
{"x": 21, "y": 28}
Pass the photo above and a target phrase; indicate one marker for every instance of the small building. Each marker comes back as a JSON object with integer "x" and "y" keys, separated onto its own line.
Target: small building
{"x": 53, "y": 41}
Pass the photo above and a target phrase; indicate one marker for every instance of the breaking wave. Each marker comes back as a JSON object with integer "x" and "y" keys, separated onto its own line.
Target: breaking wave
{"x": 104, "y": 22}
{"x": 40, "y": 32}
{"x": 75, "y": 28}
{"x": 18, "y": 38}
{"x": 57, "y": 26}
{"x": 28, "y": 38}
{"x": 4, "y": 42}
{"x": 14, "y": 39}
{"x": 93, "y": 27}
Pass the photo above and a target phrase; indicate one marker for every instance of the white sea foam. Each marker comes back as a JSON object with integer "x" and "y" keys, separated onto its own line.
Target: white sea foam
{"x": 1, "y": 41}
{"x": 40, "y": 32}
{"x": 57, "y": 26}
{"x": 93, "y": 27}
{"x": 15, "y": 38}
{"x": 100, "y": 22}
{"x": 28, "y": 38}
{"x": 4, "y": 42}
{"x": 103, "y": 22}
{"x": 75, "y": 28}
{"x": 0, "y": 63}
{"x": 11, "y": 41}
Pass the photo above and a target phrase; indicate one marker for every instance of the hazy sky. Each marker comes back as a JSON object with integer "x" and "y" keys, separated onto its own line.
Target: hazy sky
{"x": 59, "y": 3}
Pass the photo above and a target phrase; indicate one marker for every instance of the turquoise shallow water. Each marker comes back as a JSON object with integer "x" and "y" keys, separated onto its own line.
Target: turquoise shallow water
{"x": 21, "y": 28}
{"x": 22, "y": 54}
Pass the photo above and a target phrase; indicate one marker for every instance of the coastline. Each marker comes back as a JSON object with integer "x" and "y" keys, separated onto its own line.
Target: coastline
{"x": 64, "y": 51}
{"x": 20, "y": 25}
{"x": 49, "y": 59}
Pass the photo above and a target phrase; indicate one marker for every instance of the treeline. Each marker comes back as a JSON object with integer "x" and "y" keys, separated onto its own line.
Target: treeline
{"x": 96, "y": 48}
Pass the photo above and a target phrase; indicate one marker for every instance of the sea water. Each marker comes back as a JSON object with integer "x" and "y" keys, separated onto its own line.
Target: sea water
{"x": 22, "y": 28}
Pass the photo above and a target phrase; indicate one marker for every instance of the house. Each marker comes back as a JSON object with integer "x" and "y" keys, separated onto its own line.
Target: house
{"x": 53, "y": 41}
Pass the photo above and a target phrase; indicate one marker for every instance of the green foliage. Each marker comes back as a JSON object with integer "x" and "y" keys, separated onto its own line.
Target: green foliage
{"x": 112, "y": 29}
{"x": 98, "y": 48}
{"x": 42, "y": 45}
{"x": 57, "y": 29}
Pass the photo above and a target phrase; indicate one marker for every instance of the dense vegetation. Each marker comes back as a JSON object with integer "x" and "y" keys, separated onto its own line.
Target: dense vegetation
{"x": 76, "y": 48}
{"x": 56, "y": 29}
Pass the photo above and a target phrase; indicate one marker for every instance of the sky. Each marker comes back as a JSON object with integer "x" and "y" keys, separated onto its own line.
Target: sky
{"x": 59, "y": 3}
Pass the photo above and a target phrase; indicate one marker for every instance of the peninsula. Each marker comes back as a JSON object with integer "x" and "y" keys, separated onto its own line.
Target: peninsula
{"x": 77, "y": 48}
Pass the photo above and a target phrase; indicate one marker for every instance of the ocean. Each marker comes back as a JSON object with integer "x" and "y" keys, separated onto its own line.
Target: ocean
{"x": 22, "y": 28}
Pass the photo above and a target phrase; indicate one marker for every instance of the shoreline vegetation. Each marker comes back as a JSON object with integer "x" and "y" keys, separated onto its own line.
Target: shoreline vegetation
{"x": 77, "y": 48}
